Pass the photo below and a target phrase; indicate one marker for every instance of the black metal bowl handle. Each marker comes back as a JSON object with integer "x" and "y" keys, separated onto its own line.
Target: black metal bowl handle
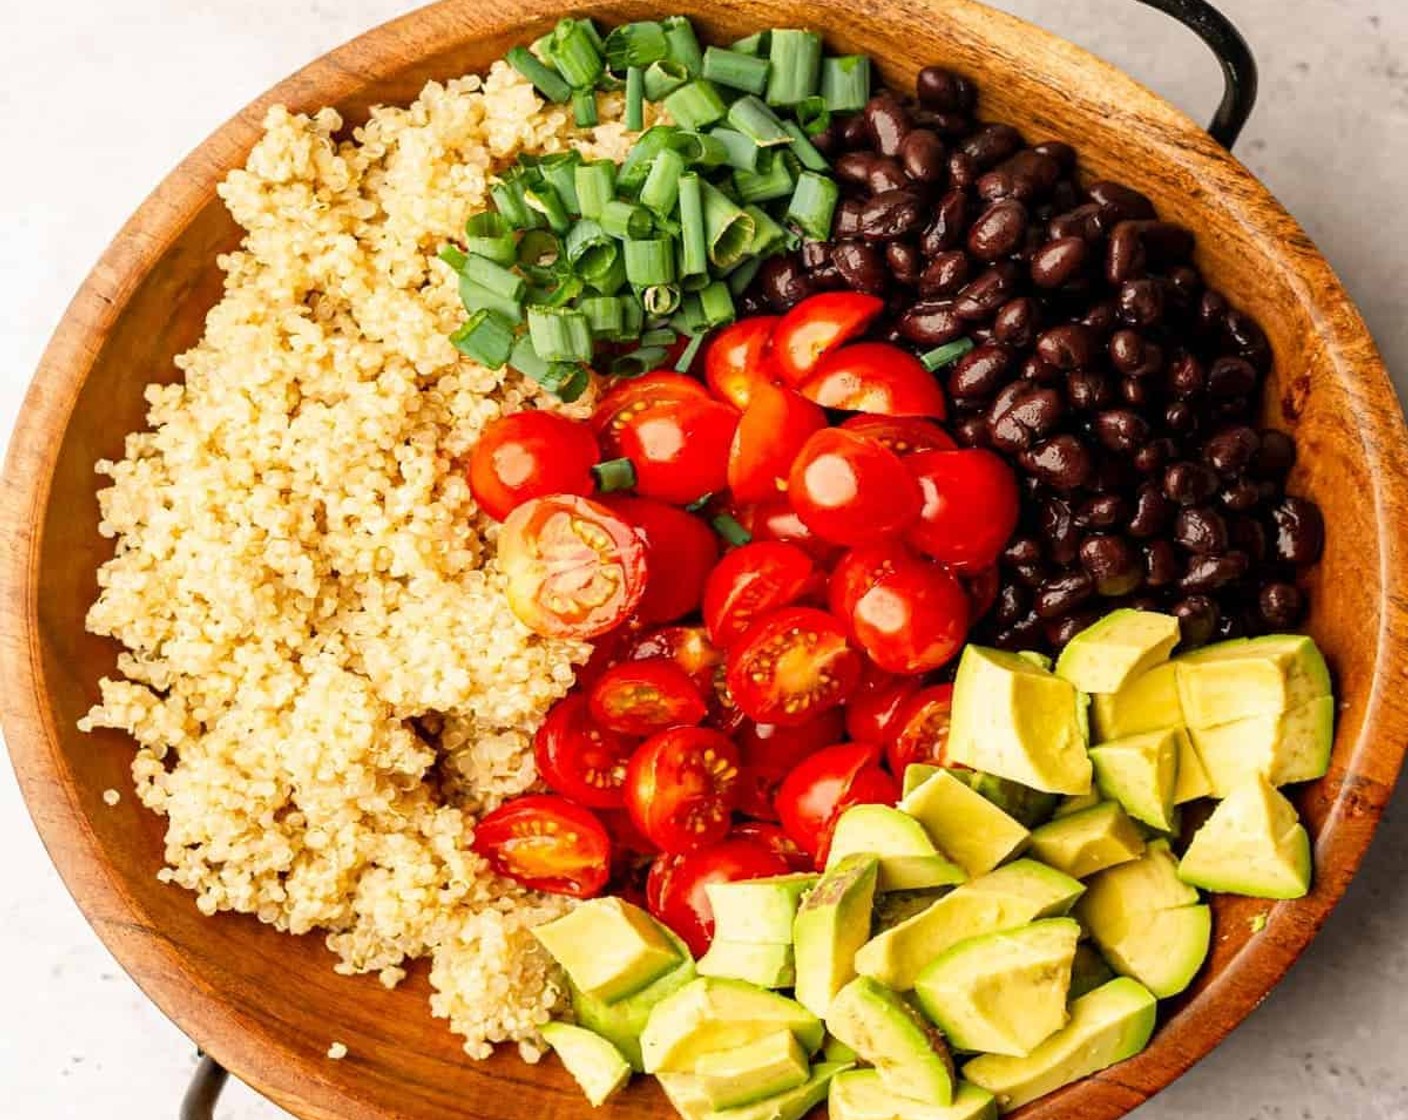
{"x": 1238, "y": 65}
{"x": 204, "y": 1090}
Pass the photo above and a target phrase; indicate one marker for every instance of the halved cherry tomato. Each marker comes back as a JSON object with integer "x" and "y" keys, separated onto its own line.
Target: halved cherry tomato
{"x": 969, "y": 508}
{"x": 825, "y": 785}
{"x": 818, "y": 325}
{"x": 530, "y": 455}
{"x": 778, "y": 521}
{"x": 579, "y": 758}
{"x": 904, "y": 435}
{"x": 633, "y": 396}
{"x": 607, "y": 649}
{"x": 792, "y": 665}
{"x": 768, "y": 753}
{"x": 678, "y": 546}
{"x": 920, "y": 733}
{"x": 547, "y": 844}
{"x": 983, "y": 586}
{"x": 876, "y": 703}
{"x": 574, "y": 568}
{"x": 850, "y": 490}
{"x": 640, "y": 698}
{"x": 775, "y": 840}
{"x": 676, "y": 894}
{"x": 724, "y": 712}
{"x": 687, "y": 646}
{"x": 680, "y": 449}
{"x": 875, "y": 377}
{"x": 770, "y": 433}
{"x": 738, "y": 359}
{"x": 625, "y": 836}
{"x": 681, "y": 787}
{"x": 751, "y": 581}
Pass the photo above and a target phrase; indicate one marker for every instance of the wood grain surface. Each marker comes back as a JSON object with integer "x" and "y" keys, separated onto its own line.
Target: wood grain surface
{"x": 267, "y": 1005}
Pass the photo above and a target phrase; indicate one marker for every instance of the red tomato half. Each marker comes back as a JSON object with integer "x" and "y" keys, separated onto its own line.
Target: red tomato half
{"x": 969, "y": 508}
{"x": 876, "y": 703}
{"x": 769, "y": 752}
{"x": 818, "y": 325}
{"x": 749, "y": 582}
{"x": 530, "y": 455}
{"x": 625, "y": 836}
{"x": 778, "y": 521}
{"x": 824, "y": 786}
{"x": 640, "y": 698}
{"x": 547, "y": 844}
{"x": 851, "y": 490}
{"x": 631, "y": 397}
{"x": 580, "y": 759}
{"x": 875, "y": 377}
{"x": 681, "y": 787}
{"x": 770, "y": 433}
{"x": 909, "y": 615}
{"x": 738, "y": 359}
{"x": 687, "y": 646}
{"x": 678, "y": 546}
{"x": 904, "y": 435}
{"x": 680, "y": 449}
{"x": 574, "y": 568}
{"x": 921, "y": 731}
{"x": 775, "y": 840}
{"x": 791, "y": 666}
{"x": 676, "y": 893}
{"x": 983, "y": 586}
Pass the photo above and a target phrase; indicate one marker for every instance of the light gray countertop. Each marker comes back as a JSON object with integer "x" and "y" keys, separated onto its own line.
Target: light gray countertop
{"x": 100, "y": 98}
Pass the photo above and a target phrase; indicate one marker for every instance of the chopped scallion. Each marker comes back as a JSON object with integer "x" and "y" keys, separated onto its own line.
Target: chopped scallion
{"x": 660, "y": 299}
{"x": 499, "y": 280}
{"x": 689, "y": 353}
{"x": 538, "y": 254}
{"x": 694, "y": 246}
{"x": 795, "y": 56}
{"x": 845, "y": 83}
{"x": 596, "y": 186}
{"x": 727, "y": 526}
{"x": 584, "y": 113}
{"x": 614, "y": 474}
{"x": 650, "y": 262}
{"x": 743, "y": 274}
{"x": 590, "y": 249}
{"x": 559, "y": 334}
{"x": 696, "y": 104}
{"x": 560, "y": 169}
{"x": 727, "y": 229}
{"x": 695, "y": 283}
{"x": 633, "y": 315}
{"x": 736, "y": 70}
{"x": 507, "y": 194}
{"x": 549, "y": 82}
{"x": 476, "y": 297}
{"x": 575, "y": 54}
{"x": 609, "y": 281}
{"x": 486, "y": 337}
{"x": 767, "y": 234}
{"x": 635, "y": 98}
{"x": 757, "y": 122}
{"x": 605, "y": 315}
{"x": 946, "y": 354}
{"x": 453, "y": 256}
{"x": 635, "y": 44}
{"x": 634, "y": 168}
{"x": 664, "y": 77}
{"x": 716, "y": 303}
{"x": 812, "y": 115}
{"x": 563, "y": 291}
{"x": 544, "y": 199}
{"x": 683, "y": 44}
{"x": 756, "y": 44}
{"x": 739, "y": 151}
{"x": 624, "y": 220}
{"x": 660, "y": 336}
{"x": 638, "y": 361}
{"x": 662, "y": 185}
{"x": 804, "y": 149}
{"x": 773, "y": 179}
{"x": 700, "y": 149}
{"x": 814, "y": 204}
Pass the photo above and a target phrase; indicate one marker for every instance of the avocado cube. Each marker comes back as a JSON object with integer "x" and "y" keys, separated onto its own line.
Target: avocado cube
{"x": 1089, "y": 971}
{"x": 964, "y": 824}
{"x": 910, "y": 1056}
{"x": 915, "y": 775}
{"x": 1077, "y": 803}
{"x": 1149, "y": 702}
{"x": 766, "y": 965}
{"x": 772, "y": 1065}
{"x": 1291, "y": 746}
{"x": 710, "y": 1014}
{"x": 1108, "y": 654}
{"x": 608, "y": 947}
{"x": 1002, "y": 993}
{"x": 1088, "y": 842}
{"x": 1027, "y": 806}
{"x": 860, "y": 1094}
{"x": 1141, "y": 773}
{"x": 758, "y": 910}
{"x": 1253, "y": 844}
{"x": 834, "y": 1050}
{"x": 1250, "y": 677}
{"x": 1108, "y": 1025}
{"x": 908, "y": 858}
{"x": 597, "y": 1066}
{"x": 832, "y": 924}
{"x": 1194, "y": 782}
{"x": 1013, "y": 719}
{"x": 690, "y": 1101}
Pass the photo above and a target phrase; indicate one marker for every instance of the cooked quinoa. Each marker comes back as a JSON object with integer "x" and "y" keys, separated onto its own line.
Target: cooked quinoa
{"x": 321, "y": 672}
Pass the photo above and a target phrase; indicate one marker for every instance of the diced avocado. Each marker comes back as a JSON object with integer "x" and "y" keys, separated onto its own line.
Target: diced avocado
{"x": 1002, "y": 993}
{"x": 915, "y": 775}
{"x": 1004, "y": 899}
{"x": 1147, "y": 703}
{"x": 757, "y": 962}
{"x": 773, "y": 1064}
{"x": 1088, "y": 971}
{"x": 895, "y": 907}
{"x": 758, "y": 910}
{"x": 964, "y": 824}
{"x": 1140, "y": 773}
{"x": 1077, "y": 804}
{"x": 885, "y": 1031}
{"x": 1013, "y": 719}
{"x": 622, "y": 1022}
{"x": 608, "y": 947}
{"x": 834, "y": 1050}
{"x": 1250, "y": 677}
{"x": 1040, "y": 660}
{"x": 1293, "y": 746}
{"x": 832, "y": 924}
{"x": 1108, "y": 1025}
{"x": 1147, "y": 922}
{"x": 1028, "y": 807}
{"x": 908, "y": 859}
{"x": 1193, "y": 779}
{"x": 710, "y": 1014}
{"x": 686, "y": 1094}
{"x": 1253, "y": 844}
{"x": 597, "y": 1066}
{"x": 1108, "y": 654}
{"x": 1089, "y": 841}
{"x": 860, "y": 1094}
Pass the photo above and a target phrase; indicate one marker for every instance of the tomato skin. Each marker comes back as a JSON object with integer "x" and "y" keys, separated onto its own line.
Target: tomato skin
{"x": 749, "y": 582}
{"x": 679, "y": 546}
{"x": 909, "y": 615}
{"x": 821, "y": 787}
{"x": 680, "y": 449}
{"x": 904, "y": 435}
{"x": 875, "y": 377}
{"x": 687, "y": 646}
{"x": 546, "y": 843}
{"x": 776, "y": 520}
{"x": 633, "y": 396}
{"x": 816, "y": 326}
{"x": 771, "y": 431}
{"x": 625, "y": 836}
{"x": 681, "y": 786}
{"x": 530, "y": 454}
{"x": 768, "y": 753}
{"x": 580, "y": 759}
{"x": 639, "y": 698}
{"x": 969, "y": 506}
{"x": 850, "y": 490}
{"x": 920, "y": 731}
{"x": 574, "y": 550}
{"x": 738, "y": 359}
{"x": 982, "y": 586}
{"x": 775, "y": 840}
{"x": 875, "y": 705}
{"x": 792, "y": 665}
{"x": 679, "y": 897}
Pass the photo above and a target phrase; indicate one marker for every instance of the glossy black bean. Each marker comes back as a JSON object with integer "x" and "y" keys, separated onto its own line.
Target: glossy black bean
{"x": 853, "y": 134}
{"x": 1231, "y": 377}
{"x": 891, "y": 214}
{"x": 1059, "y": 529}
{"x": 944, "y": 90}
{"x": 971, "y": 431}
{"x": 1230, "y": 451}
{"x": 1026, "y": 176}
{"x": 930, "y": 323}
{"x": 981, "y": 297}
{"x": 862, "y": 266}
{"x": 1248, "y": 339}
{"x": 963, "y": 170}
{"x": 1060, "y": 631}
{"x": 1180, "y": 417}
{"x": 1013, "y": 601}
{"x": 1022, "y": 551}
{"x": 1152, "y": 512}
{"x": 1029, "y": 417}
{"x": 1240, "y": 496}
{"x": 991, "y": 144}
{"x": 922, "y": 155}
{"x": 981, "y": 372}
{"x": 1200, "y": 529}
{"x": 783, "y": 282}
{"x": 1069, "y": 346}
{"x": 847, "y": 223}
{"x": 1015, "y": 323}
{"x": 946, "y": 227}
{"x": 1125, "y": 256}
{"x": 1247, "y": 534}
{"x": 1102, "y": 512}
{"x": 1101, "y": 318}
{"x": 1058, "y": 262}
{"x": 1087, "y": 391}
{"x": 1280, "y": 605}
{"x": 887, "y": 174}
{"x": 814, "y": 254}
{"x": 1135, "y": 393}
{"x": 998, "y": 230}
{"x": 1299, "y": 531}
{"x": 1113, "y": 564}
{"x": 1197, "y": 620}
{"x": 1061, "y": 152}
{"x": 1062, "y": 594}
{"x": 1212, "y": 572}
{"x": 1078, "y": 222}
{"x": 1165, "y": 243}
{"x": 887, "y": 122}
{"x": 1129, "y": 202}
{"x": 1112, "y": 474}
{"x": 1161, "y": 566}
{"x": 1141, "y": 302}
{"x": 854, "y": 167}
{"x": 1186, "y": 376}
{"x": 1189, "y": 483}
{"x": 1121, "y": 429}
{"x": 945, "y": 274}
{"x": 1063, "y": 463}
{"x": 904, "y": 262}
{"x": 1152, "y": 457}
{"x": 1276, "y": 455}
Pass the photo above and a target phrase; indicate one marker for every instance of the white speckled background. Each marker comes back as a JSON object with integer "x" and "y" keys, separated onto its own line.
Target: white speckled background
{"x": 100, "y": 98}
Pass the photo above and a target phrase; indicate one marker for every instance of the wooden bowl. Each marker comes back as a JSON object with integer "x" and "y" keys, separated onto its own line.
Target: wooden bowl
{"x": 268, "y": 1006}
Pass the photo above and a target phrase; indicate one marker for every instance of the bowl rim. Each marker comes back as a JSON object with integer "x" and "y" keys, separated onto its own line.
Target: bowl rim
{"x": 240, "y": 1041}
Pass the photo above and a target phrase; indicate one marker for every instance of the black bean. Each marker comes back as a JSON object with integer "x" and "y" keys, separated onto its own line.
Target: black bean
{"x": 887, "y": 174}
{"x": 847, "y": 223}
{"x": 1026, "y": 176}
{"x": 1022, "y": 552}
{"x": 1121, "y": 429}
{"x": 1186, "y": 376}
{"x": 982, "y": 296}
{"x": 1079, "y": 222}
{"x": 1061, "y": 594}
{"x": 1006, "y": 397}
{"x": 945, "y": 230}
{"x": 1153, "y": 455}
{"x": 1200, "y": 529}
{"x": 1280, "y": 605}
{"x": 930, "y": 323}
{"x": 891, "y": 214}
{"x": 944, "y": 90}
{"x": 853, "y": 134}
{"x": 904, "y": 262}
{"x": 1126, "y": 350}
{"x": 980, "y": 372}
{"x": 1189, "y": 483}
{"x": 1101, "y": 318}
{"x": 1299, "y": 531}
{"x": 1034, "y": 369}
{"x": 1102, "y": 512}
{"x": 1029, "y": 417}
{"x": 1185, "y": 283}
{"x": 1248, "y": 339}
{"x": 1240, "y": 496}
{"x": 922, "y": 156}
{"x": 782, "y": 282}
{"x": 854, "y": 167}
{"x": 1152, "y": 511}
{"x": 1230, "y": 451}
{"x": 1231, "y": 377}
{"x": 1058, "y": 262}
{"x": 1248, "y": 535}
{"x": 1125, "y": 257}
{"x": 1069, "y": 346}
{"x": 1197, "y": 620}
{"x": 1210, "y": 573}
{"x": 992, "y": 144}
{"x": 1180, "y": 417}
{"x": 998, "y": 230}
{"x": 1211, "y": 314}
{"x": 828, "y": 140}
{"x": 1016, "y": 322}
{"x": 1141, "y": 302}
{"x": 1059, "y": 529}
{"x": 1135, "y": 393}
{"x": 1059, "y": 631}
{"x": 1023, "y": 634}
{"x": 963, "y": 170}
{"x": 1112, "y": 474}
{"x": 1276, "y": 456}
{"x": 1113, "y": 564}
{"x": 1061, "y": 152}
{"x": 1164, "y": 243}
{"x": 1129, "y": 202}
{"x": 887, "y": 122}
{"x": 1012, "y": 603}
{"x": 826, "y": 277}
{"x": 1063, "y": 463}
{"x": 972, "y": 431}
{"x": 945, "y": 274}
{"x": 1161, "y": 566}
{"x": 1087, "y": 391}
{"x": 815, "y": 254}
{"x": 861, "y": 265}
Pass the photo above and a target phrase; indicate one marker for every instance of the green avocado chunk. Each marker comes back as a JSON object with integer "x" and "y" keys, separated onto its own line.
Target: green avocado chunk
{"x": 1089, "y": 841}
{"x": 1147, "y": 703}
{"x": 885, "y": 1031}
{"x": 861, "y": 1094}
{"x": 608, "y": 948}
{"x": 710, "y": 1014}
{"x": 1013, "y": 719}
{"x": 908, "y": 859}
{"x": 1250, "y": 677}
{"x": 758, "y": 910}
{"x": 756, "y": 962}
{"x": 773, "y": 1064}
{"x": 1089, "y": 971}
{"x": 1027, "y": 806}
{"x": 690, "y": 1101}
{"x": 964, "y": 824}
{"x": 833, "y": 922}
{"x": 1141, "y": 773}
{"x": 1108, "y": 1025}
{"x": 1002, "y": 993}
{"x": 1108, "y": 654}
{"x": 1077, "y": 804}
{"x": 1293, "y": 746}
{"x": 1253, "y": 844}
{"x": 596, "y": 1065}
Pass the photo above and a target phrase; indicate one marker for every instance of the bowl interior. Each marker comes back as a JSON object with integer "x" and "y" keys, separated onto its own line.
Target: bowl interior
{"x": 269, "y": 1005}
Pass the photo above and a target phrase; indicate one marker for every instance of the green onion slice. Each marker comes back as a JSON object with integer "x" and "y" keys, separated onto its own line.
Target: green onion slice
{"x": 635, "y": 98}
{"x": 560, "y": 334}
{"x": 946, "y": 354}
{"x": 549, "y": 82}
{"x": 614, "y": 474}
{"x": 683, "y": 44}
{"x": 638, "y": 361}
{"x": 757, "y": 122}
{"x": 574, "y": 52}
{"x": 689, "y": 353}
{"x": 727, "y": 526}
{"x": 795, "y": 58}
{"x": 663, "y": 78}
{"x": 635, "y": 44}
{"x": 486, "y": 337}
{"x": 662, "y": 185}
{"x": 596, "y": 186}
{"x": 773, "y": 179}
{"x": 696, "y": 105}
{"x": 625, "y": 220}
{"x": 804, "y": 149}
{"x": 736, "y": 70}
{"x": 845, "y": 83}
{"x": 728, "y": 230}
